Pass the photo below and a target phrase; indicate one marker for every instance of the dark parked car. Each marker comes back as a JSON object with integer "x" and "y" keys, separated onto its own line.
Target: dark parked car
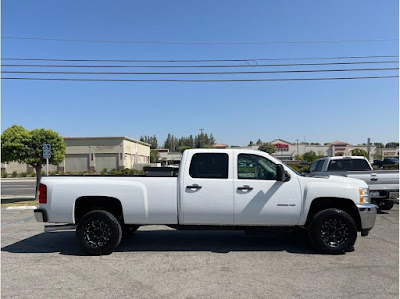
{"x": 387, "y": 161}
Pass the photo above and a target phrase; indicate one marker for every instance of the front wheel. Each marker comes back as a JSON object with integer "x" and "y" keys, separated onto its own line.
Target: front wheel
{"x": 99, "y": 232}
{"x": 332, "y": 231}
{"x": 385, "y": 204}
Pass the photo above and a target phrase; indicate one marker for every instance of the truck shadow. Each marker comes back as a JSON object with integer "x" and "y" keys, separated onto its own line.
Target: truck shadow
{"x": 171, "y": 240}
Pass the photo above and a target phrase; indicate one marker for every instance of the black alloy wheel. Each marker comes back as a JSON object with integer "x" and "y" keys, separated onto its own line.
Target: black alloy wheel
{"x": 332, "y": 231}
{"x": 99, "y": 232}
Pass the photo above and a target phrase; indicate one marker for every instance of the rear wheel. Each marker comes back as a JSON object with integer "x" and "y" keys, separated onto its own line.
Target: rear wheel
{"x": 332, "y": 231}
{"x": 99, "y": 232}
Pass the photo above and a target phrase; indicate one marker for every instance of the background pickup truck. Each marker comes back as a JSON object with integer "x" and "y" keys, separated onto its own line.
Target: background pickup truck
{"x": 383, "y": 184}
{"x": 223, "y": 189}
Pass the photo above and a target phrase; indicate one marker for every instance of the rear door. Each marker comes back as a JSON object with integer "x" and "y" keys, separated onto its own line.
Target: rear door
{"x": 207, "y": 191}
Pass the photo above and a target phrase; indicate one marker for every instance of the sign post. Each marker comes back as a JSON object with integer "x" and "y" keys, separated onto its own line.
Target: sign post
{"x": 47, "y": 155}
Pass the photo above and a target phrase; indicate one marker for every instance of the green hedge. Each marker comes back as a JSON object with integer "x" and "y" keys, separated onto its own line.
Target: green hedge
{"x": 391, "y": 166}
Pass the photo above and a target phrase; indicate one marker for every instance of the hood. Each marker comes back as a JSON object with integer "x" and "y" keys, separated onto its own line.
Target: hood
{"x": 342, "y": 179}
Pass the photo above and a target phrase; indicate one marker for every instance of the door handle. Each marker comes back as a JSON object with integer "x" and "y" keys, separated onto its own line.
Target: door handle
{"x": 245, "y": 188}
{"x": 194, "y": 186}
{"x": 374, "y": 179}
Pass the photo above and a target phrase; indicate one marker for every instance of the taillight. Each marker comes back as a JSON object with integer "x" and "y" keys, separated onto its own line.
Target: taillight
{"x": 42, "y": 193}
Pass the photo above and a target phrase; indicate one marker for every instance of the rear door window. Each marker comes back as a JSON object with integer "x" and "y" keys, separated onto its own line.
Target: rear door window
{"x": 355, "y": 165}
{"x": 335, "y": 165}
{"x": 209, "y": 166}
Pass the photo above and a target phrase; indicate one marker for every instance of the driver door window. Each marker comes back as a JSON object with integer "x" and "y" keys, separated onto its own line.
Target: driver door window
{"x": 253, "y": 167}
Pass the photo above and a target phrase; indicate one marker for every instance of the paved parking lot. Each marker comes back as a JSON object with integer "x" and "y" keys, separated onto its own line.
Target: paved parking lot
{"x": 158, "y": 262}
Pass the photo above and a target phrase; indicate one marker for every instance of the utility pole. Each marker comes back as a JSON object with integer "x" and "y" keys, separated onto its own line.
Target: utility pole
{"x": 297, "y": 144}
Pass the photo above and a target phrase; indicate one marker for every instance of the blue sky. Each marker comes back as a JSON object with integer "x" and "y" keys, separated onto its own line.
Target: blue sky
{"x": 348, "y": 110}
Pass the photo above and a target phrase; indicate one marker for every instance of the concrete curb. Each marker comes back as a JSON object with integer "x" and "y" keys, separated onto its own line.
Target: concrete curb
{"x": 18, "y": 179}
{"x": 18, "y": 196}
{"x": 21, "y": 208}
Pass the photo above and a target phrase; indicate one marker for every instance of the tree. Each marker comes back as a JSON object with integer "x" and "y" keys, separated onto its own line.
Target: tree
{"x": 379, "y": 144}
{"x": 251, "y": 143}
{"x": 259, "y": 142}
{"x": 392, "y": 144}
{"x": 359, "y": 152}
{"x": 23, "y": 146}
{"x": 310, "y": 157}
{"x": 182, "y": 148}
{"x": 267, "y": 147}
{"x": 154, "y": 156}
{"x": 152, "y": 140}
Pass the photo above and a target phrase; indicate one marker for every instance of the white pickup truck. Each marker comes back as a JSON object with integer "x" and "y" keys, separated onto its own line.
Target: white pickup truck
{"x": 223, "y": 189}
{"x": 383, "y": 184}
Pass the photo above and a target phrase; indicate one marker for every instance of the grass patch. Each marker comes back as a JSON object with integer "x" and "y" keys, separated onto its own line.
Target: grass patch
{"x": 15, "y": 202}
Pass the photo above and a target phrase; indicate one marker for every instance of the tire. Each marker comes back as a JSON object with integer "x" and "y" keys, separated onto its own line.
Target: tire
{"x": 385, "y": 204}
{"x": 99, "y": 232}
{"x": 332, "y": 231}
{"x": 128, "y": 230}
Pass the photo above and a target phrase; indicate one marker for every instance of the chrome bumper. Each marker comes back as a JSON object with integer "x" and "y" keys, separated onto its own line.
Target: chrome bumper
{"x": 368, "y": 217}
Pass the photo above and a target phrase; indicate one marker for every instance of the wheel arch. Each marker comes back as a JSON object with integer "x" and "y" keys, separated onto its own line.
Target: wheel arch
{"x": 344, "y": 204}
{"x": 85, "y": 204}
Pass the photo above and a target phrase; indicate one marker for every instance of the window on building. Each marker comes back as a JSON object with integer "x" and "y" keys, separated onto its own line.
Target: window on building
{"x": 209, "y": 166}
{"x": 254, "y": 167}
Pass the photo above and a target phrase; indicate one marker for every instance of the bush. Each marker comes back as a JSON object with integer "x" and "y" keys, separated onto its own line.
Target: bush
{"x": 14, "y": 174}
{"x": 4, "y": 174}
{"x": 23, "y": 174}
{"x": 52, "y": 172}
{"x": 115, "y": 172}
{"x": 103, "y": 172}
{"x": 295, "y": 166}
{"x": 391, "y": 166}
{"x": 31, "y": 173}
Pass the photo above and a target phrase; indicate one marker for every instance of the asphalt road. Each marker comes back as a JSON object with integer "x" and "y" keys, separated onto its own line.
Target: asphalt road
{"x": 157, "y": 262}
{"x": 22, "y": 187}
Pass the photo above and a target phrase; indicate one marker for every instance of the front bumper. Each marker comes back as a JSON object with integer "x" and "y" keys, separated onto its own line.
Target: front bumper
{"x": 40, "y": 215}
{"x": 367, "y": 216}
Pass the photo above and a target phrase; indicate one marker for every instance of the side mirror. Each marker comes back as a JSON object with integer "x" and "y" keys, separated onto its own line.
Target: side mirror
{"x": 281, "y": 174}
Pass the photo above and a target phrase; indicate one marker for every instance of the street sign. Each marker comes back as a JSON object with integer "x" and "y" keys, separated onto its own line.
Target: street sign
{"x": 47, "y": 155}
{"x": 46, "y": 151}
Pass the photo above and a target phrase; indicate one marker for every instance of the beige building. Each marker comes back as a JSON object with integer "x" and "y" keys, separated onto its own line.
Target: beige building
{"x": 287, "y": 151}
{"x": 95, "y": 154}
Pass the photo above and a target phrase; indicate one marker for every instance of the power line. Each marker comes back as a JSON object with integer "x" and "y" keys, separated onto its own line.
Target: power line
{"x": 198, "y": 60}
{"x": 200, "y": 81}
{"x": 199, "y": 73}
{"x": 197, "y": 66}
{"x": 197, "y": 43}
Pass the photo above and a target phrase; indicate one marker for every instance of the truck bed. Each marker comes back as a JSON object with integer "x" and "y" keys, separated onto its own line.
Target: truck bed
{"x": 141, "y": 203}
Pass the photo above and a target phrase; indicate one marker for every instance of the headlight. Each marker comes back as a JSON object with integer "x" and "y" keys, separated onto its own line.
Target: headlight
{"x": 364, "y": 195}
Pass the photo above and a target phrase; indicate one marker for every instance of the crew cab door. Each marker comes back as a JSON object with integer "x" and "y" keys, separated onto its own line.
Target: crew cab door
{"x": 259, "y": 198}
{"x": 207, "y": 189}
